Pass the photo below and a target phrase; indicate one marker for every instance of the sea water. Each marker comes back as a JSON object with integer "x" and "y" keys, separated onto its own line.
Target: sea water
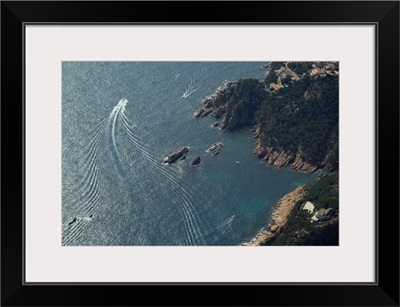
{"x": 119, "y": 121}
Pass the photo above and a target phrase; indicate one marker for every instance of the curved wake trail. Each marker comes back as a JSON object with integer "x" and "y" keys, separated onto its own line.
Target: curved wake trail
{"x": 191, "y": 88}
{"x": 89, "y": 196}
{"x": 113, "y": 119}
{"x": 89, "y": 166}
{"x": 170, "y": 180}
{"x": 189, "y": 210}
{"x": 193, "y": 228}
{"x": 75, "y": 231}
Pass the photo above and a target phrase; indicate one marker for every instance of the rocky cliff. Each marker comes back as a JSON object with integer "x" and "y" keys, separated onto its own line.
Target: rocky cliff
{"x": 294, "y": 125}
{"x": 278, "y": 157}
{"x": 176, "y": 155}
{"x": 236, "y": 102}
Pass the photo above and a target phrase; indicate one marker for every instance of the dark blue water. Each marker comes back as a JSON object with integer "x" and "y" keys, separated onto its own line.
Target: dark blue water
{"x": 120, "y": 119}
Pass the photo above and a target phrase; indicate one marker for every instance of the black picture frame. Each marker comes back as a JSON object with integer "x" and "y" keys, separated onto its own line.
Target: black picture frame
{"x": 383, "y": 14}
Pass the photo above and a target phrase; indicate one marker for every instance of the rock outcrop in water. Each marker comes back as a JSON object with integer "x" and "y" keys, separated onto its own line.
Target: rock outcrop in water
{"x": 176, "y": 155}
{"x": 231, "y": 100}
{"x": 202, "y": 112}
{"x": 215, "y": 149}
{"x": 196, "y": 160}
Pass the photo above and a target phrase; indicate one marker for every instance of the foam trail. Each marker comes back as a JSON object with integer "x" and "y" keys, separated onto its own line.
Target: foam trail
{"x": 176, "y": 186}
{"x": 89, "y": 164}
{"x": 119, "y": 108}
{"x": 190, "y": 89}
{"x": 113, "y": 116}
{"x": 71, "y": 237}
{"x": 147, "y": 155}
{"x": 88, "y": 191}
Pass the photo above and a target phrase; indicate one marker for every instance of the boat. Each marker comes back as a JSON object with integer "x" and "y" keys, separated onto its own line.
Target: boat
{"x": 73, "y": 221}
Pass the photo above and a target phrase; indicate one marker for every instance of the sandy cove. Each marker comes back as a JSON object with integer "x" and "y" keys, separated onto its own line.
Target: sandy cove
{"x": 279, "y": 216}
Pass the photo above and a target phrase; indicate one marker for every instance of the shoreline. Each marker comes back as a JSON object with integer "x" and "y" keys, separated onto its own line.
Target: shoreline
{"x": 279, "y": 216}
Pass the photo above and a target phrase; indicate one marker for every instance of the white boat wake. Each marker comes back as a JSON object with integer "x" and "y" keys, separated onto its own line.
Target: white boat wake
{"x": 192, "y": 87}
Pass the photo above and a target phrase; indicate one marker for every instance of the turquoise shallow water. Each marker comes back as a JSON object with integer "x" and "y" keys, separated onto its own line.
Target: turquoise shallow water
{"x": 120, "y": 119}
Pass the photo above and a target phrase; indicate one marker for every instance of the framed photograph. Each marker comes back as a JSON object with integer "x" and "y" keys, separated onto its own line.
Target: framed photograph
{"x": 200, "y": 148}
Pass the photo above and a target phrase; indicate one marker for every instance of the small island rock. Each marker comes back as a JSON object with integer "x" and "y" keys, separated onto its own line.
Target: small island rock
{"x": 196, "y": 160}
{"x": 176, "y": 155}
{"x": 215, "y": 149}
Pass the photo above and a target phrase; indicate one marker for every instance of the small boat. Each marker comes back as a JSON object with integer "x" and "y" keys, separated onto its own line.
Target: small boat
{"x": 73, "y": 221}
{"x": 237, "y": 162}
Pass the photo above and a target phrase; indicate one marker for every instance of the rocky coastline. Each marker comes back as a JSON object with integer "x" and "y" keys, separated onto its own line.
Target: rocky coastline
{"x": 221, "y": 103}
{"x": 279, "y": 217}
{"x": 285, "y": 133}
{"x": 309, "y": 215}
{"x": 217, "y": 104}
{"x": 278, "y": 157}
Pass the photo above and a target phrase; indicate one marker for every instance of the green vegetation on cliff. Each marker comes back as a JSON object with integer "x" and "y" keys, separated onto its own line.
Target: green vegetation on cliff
{"x": 295, "y": 109}
{"x": 324, "y": 193}
{"x": 294, "y": 113}
{"x": 270, "y": 76}
{"x": 244, "y": 101}
{"x": 299, "y": 230}
{"x": 303, "y": 116}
